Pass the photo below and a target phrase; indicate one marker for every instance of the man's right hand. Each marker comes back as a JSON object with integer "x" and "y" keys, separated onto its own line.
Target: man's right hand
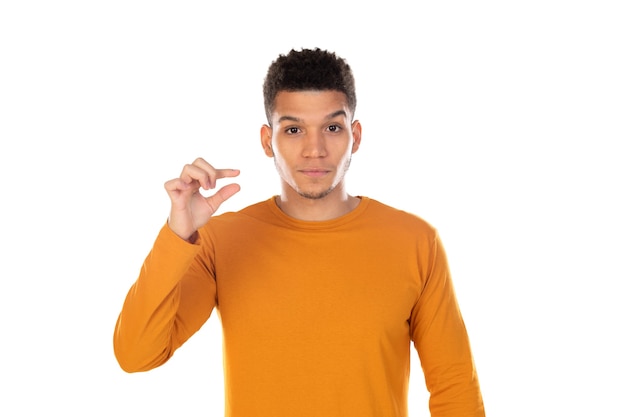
{"x": 190, "y": 209}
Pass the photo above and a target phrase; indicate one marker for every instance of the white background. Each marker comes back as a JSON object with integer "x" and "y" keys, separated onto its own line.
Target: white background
{"x": 501, "y": 123}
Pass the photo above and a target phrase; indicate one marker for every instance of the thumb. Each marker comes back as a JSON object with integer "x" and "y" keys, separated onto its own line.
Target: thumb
{"x": 223, "y": 194}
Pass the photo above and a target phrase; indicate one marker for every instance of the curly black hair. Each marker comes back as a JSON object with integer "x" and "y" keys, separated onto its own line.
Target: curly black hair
{"x": 308, "y": 69}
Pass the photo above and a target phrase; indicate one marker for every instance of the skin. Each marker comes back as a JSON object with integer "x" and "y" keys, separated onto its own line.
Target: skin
{"x": 191, "y": 210}
{"x": 311, "y": 139}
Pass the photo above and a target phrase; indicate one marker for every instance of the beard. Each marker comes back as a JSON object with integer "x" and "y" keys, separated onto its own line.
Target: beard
{"x": 321, "y": 194}
{"x": 315, "y": 196}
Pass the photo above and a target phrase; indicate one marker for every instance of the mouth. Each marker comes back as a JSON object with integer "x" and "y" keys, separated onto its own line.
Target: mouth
{"x": 314, "y": 172}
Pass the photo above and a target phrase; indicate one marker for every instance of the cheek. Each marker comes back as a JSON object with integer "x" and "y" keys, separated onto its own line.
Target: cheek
{"x": 347, "y": 154}
{"x": 281, "y": 162}
{"x": 284, "y": 152}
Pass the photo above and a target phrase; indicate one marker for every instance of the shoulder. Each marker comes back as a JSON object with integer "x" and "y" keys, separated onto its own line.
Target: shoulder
{"x": 395, "y": 217}
{"x": 251, "y": 214}
{"x": 259, "y": 209}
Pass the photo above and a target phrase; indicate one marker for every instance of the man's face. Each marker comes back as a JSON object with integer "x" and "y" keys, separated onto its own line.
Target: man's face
{"x": 312, "y": 141}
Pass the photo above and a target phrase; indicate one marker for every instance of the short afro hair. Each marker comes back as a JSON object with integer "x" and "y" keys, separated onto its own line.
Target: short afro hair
{"x": 308, "y": 69}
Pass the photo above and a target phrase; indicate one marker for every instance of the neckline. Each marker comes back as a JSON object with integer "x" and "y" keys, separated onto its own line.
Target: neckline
{"x": 317, "y": 225}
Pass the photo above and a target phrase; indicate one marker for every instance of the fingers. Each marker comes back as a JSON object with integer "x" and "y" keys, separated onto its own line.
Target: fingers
{"x": 223, "y": 194}
{"x": 177, "y": 184}
{"x": 190, "y": 209}
{"x": 205, "y": 174}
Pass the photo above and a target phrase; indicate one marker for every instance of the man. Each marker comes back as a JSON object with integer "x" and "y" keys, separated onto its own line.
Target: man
{"x": 320, "y": 293}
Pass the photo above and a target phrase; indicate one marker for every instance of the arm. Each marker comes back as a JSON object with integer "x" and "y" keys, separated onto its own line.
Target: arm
{"x": 175, "y": 292}
{"x": 169, "y": 302}
{"x": 442, "y": 344}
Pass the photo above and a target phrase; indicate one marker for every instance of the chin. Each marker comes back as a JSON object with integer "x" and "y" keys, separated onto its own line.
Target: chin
{"x": 315, "y": 195}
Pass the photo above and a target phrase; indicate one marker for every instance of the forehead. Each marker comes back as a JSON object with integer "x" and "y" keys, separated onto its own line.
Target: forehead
{"x": 309, "y": 104}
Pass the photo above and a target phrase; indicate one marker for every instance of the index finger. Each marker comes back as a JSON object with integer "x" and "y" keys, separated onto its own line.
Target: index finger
{"x": 226, "y": 173}
{"x": 212, "y": 173}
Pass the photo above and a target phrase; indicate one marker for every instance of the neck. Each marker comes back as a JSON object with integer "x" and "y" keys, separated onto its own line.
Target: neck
{"x": 331, "y": 206}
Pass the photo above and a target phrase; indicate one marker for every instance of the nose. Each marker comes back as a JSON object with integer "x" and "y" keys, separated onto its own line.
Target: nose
{"x": 314, "y": 145}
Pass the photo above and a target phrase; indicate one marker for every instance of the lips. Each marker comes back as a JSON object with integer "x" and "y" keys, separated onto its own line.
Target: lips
{"x": 314, "y": 172}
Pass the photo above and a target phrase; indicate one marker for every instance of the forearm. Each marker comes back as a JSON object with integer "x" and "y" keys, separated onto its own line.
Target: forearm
{"x": 455, "y": 391}
{"x": 443, "y": 345}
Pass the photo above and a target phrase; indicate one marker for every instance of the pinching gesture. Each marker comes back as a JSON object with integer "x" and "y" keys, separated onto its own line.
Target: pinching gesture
{"x": 190, "y": 209}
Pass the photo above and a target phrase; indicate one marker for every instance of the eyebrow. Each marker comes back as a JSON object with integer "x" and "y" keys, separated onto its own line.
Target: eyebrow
{"x": 329, "y": 117}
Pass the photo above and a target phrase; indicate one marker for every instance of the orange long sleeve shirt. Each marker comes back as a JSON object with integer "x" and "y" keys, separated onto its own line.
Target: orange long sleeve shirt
{"x": 317, "y": 317}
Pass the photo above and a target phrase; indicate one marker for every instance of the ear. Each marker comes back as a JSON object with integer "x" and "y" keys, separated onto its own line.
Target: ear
{"x": 266, "y": 140}
{"x": 356, "y": 135}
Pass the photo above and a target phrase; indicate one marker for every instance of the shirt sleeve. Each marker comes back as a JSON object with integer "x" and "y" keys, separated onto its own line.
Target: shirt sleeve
{"x": 172, "y": 298}
{"x": 442, "y": 343}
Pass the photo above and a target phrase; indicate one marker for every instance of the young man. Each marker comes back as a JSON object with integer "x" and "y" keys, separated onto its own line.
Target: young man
{"x": 320, "y": 293}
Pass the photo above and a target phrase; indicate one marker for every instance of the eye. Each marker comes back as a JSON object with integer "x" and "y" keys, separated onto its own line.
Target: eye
{"x": 334, "y": 128}
{"x": 292, "y": 130}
